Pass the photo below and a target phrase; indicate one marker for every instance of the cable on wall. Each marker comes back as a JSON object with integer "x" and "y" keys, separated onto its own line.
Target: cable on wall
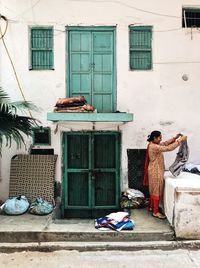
{"x": 12, "y": 64}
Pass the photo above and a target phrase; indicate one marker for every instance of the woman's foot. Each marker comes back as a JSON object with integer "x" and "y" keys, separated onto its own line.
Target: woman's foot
{"x": 159, "y": 216}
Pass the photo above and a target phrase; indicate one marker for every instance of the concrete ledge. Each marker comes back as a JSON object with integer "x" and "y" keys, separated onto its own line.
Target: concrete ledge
{"x": 96, "y": 236}
{"x": 95, "y": 246}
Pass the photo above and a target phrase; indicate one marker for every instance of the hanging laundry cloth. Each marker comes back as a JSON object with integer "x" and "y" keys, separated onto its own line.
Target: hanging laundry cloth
{"x": 181, "y": 159}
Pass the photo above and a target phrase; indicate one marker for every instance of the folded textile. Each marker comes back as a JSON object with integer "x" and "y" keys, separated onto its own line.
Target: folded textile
{"x": 73, "y": 104}
{"x": 85, "y": 108}
{"x": 116, "y": 221}
{"x": 133, "y": 199}
{"x": 118, "y": 216}
{"x": 132, "y": 193}
{"x": 71, "y": 100}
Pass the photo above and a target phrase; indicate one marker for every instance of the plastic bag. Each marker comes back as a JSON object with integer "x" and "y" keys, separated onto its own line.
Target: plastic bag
{"x": 40, "y": 207}
{"x": 16, "y": 205}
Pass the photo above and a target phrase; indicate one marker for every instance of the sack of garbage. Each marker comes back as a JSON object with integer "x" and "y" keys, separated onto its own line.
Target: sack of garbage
{"x": 40, "y": 207}
{"x": 16, "y": 205}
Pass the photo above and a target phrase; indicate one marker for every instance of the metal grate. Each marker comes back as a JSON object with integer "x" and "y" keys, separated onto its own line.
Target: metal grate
{"x": 136, "y": 160}
{"x": 190, "y": 17}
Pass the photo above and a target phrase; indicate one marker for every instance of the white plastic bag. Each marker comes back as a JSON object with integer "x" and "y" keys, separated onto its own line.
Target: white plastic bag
{"x": 16, "y": 205}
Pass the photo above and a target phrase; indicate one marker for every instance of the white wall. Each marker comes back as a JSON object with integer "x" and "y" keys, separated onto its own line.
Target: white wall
{"x": 160, "y": 98}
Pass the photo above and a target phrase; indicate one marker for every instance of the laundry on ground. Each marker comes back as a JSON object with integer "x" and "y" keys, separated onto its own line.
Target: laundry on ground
{"x": 115, "y": 221}
{"x": 133, "y": 199}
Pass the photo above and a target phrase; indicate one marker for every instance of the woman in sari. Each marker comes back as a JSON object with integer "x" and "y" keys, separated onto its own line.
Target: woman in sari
{"x": 154, "y": 167}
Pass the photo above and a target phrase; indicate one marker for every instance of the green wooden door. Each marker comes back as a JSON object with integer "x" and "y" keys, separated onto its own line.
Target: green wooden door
{"x": 91, "y": 66}
{"x": 90, "y": 173}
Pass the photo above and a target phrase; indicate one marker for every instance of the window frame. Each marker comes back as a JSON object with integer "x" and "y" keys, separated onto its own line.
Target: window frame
{"x": 31, "y": 49}
{"x": 190, "y": 9}
{"x": 141, "y": 28}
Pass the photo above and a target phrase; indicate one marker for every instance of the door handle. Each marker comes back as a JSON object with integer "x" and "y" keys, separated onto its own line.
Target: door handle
{"x": 93, "y": 177}
{"x": 92, "y": 65}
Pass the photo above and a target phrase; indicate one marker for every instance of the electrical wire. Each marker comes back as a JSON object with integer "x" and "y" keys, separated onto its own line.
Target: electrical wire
{"x": 12, "y": 64}
{"x": 105, "y": 1}
{"x": 28, "y": 9}
{"x": 2, "y": 34}
{"x": 130, "y": 6}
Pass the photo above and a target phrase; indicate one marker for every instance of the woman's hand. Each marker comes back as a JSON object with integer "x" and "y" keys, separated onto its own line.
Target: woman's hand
{"x": 182, "y": 138}
{"x": 178, "y": 135}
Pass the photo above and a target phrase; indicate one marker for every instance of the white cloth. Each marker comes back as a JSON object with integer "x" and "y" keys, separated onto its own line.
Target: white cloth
{"x": 118, "y": 216}
{"x": 184, "y": 182}
{"x": 132, "y": 193}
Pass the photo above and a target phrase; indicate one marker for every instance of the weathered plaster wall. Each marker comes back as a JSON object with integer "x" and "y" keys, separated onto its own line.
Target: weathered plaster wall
{"x": 160, "y": 98}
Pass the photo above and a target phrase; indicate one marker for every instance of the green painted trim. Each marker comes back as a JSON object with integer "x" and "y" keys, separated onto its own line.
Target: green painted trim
{"x": 90, "y": 117}
{"x": 141, "y": 28}
{"x": 93, "y": 28}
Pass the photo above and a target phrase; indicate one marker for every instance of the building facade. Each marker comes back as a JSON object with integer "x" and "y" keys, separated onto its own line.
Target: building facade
{"x": 136, "y": 62}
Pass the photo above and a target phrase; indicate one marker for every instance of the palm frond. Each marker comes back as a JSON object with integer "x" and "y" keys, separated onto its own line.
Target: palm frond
{"x": 24, "y": 105}
{"x": 12, "y": 125}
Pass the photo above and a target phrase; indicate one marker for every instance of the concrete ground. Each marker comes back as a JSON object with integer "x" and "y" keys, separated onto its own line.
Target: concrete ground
{"x": 98, "y": 259}
{"x": 32, "y": 228}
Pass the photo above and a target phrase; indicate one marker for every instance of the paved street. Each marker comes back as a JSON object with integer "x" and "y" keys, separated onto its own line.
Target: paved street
{"x": 107, "y": 259}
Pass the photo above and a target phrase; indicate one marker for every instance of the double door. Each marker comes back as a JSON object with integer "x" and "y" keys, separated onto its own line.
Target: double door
{"x": 91, "y": 66}
{"x": 90, "y": 173}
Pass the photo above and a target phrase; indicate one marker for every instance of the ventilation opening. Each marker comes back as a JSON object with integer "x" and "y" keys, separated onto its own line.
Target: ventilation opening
{"x": 41, "y": 136}
{"x": 190, "y": 17}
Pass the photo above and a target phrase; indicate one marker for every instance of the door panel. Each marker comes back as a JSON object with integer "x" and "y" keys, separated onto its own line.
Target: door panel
{"x": 78, "y": 189}
{"x": 91, "y": 67}
{"x": 103, "y": 57}
{"x": 105, "y": 168}
{"x": 105, "y": 189}
{"x": 80, "y": 64}
{"x": 78, "y": 151}
{"x": 104, "y": 151}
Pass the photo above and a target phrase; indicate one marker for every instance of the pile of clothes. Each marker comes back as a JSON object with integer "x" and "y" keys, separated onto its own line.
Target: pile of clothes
{"x": 192, "y": 168}
{"x": 132, "y": 198}
{"x": 115, "y": 221}
{"x": 73, "y": 105}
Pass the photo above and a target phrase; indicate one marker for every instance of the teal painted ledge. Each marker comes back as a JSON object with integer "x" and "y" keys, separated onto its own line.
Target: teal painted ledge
{"x": 90, "y": 117}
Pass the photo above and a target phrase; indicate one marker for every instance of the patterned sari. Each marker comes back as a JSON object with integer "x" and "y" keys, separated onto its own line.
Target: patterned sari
{"x": 154, "y": 170}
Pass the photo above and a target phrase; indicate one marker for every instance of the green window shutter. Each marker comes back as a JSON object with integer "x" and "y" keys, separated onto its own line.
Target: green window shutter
{"x": 41, "y": 48}
{"x": 140, "y": 47}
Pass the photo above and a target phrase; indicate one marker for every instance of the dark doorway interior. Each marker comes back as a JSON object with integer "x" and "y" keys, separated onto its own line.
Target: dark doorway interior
{"x": 136, "y": 160}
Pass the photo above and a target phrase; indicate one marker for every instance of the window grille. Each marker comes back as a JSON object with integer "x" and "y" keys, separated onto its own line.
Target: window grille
{"x": 190, "y": 17}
